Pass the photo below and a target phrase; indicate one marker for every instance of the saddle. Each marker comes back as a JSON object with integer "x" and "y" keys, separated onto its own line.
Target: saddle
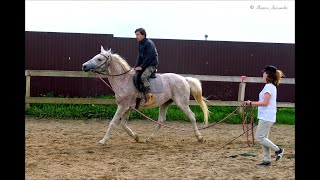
{"x": 137, "y": 81}
{"x": 156, "y": 86}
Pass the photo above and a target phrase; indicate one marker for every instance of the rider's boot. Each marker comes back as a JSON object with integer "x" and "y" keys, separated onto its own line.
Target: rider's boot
{"x": 150, "y": 100}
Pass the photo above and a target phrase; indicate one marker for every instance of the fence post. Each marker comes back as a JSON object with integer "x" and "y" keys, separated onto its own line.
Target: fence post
{"x": 241, "y": 93}
{"x": 28, "y": 77}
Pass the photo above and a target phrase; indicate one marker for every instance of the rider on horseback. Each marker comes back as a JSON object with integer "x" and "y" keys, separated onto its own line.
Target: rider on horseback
{"x": 146, "y": 63}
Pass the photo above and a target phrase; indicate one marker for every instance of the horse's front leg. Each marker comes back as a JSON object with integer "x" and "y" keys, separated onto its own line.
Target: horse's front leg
{"x": 124, "y": 120}
{"x": 115, "y": 120}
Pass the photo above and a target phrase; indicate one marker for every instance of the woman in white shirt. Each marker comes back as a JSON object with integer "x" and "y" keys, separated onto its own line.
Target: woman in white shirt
{"x": 267, "y": 109}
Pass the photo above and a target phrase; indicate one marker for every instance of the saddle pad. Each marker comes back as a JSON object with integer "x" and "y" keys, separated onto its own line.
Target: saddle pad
{"x": 156, "y": 84}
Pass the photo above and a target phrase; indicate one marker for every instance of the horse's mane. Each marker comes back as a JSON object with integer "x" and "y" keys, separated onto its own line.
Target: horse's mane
{"x": 122, "y": 61}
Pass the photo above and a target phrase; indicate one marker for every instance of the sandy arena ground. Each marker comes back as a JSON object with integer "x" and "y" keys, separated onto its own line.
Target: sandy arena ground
{"x": 69, "y": 149}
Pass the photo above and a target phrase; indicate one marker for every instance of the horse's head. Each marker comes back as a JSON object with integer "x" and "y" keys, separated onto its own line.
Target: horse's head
{"x": 99, "y": 63}
{"x": 105, "y": 61}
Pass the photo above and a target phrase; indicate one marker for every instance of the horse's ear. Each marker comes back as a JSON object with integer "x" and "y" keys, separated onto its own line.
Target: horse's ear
{"x": 102, "y": 49}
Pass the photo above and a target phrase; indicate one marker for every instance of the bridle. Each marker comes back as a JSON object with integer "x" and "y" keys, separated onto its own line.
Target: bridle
{"x": 104, "y": 69}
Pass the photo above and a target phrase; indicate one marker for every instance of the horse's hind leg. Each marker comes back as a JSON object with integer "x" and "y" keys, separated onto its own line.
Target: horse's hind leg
{"x": 115, "y": 120}
{"x": 186, "y": 109}
{"x": 124, "y": 120}
{"x": 161, "y": 119}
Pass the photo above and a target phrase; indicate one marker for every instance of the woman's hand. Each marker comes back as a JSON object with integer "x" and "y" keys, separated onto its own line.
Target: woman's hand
{"x": 248, "y": 103}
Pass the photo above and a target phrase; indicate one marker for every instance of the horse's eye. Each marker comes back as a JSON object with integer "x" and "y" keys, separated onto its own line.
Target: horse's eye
{"x": 99, "y": 60}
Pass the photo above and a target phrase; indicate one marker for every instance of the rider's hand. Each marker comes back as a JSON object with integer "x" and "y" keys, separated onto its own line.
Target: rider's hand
{"x": 138, "y": 68}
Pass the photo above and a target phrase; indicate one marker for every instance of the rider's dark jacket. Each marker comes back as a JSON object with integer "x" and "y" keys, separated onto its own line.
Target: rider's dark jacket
{"x": 148, "y": 54}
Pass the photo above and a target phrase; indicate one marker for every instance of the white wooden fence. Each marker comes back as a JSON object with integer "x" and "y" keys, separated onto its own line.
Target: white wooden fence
{"x": 54, "y": 73}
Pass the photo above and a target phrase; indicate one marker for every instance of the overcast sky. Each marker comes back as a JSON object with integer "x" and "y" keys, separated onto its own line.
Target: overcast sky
{"x": 249, "y": 21}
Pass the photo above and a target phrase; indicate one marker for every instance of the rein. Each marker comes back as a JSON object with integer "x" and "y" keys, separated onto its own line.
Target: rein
{"x": 104, "y": 69}
{"x": 245, "y": 123}
{"x": 236, "y": 137}
{"x": 114, "y": 74}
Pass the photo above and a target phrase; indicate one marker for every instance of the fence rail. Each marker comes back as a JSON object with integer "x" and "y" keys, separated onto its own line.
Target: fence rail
{"x": 55, "y": 73}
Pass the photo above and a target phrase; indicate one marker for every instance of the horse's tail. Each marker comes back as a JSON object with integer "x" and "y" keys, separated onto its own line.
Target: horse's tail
{"x": 196, "y": 91}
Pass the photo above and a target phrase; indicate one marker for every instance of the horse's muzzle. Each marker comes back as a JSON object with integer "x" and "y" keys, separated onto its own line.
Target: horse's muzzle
{"x": 88, "y": 67}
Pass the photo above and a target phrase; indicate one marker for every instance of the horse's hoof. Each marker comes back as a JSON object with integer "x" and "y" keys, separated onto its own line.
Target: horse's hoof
{"x": 149, "y": 140}
{"x": 136, "y": 137}
{"x": 200, "y": 139}
{"x": 102, "y": 142}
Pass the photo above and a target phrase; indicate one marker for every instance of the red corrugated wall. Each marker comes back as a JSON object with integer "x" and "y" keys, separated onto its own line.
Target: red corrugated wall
{"x": 67, "y": 51}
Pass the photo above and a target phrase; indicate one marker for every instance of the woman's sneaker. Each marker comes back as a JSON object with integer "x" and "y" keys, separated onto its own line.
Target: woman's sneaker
{"x": 279, "y": 154}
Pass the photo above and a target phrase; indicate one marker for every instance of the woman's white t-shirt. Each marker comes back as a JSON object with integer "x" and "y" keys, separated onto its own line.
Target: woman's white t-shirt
{"x": 268, "y": 113}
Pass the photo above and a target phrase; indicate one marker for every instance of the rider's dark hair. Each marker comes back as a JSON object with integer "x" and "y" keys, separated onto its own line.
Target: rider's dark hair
{"x": 142, "y": 31}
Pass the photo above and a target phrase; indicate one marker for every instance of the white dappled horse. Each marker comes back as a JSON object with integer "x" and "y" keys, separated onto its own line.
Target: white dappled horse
{"x": 176, "y": 88}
